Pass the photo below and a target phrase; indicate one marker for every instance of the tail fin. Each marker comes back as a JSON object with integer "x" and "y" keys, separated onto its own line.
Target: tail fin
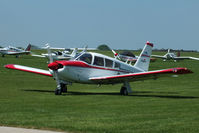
{"x": 85, "y": 48}
{"x": 115, "y": 54}
{"x": 73, "y": 54}
{"x": 169, "y": 50}
{"x": 178, "y": 55}
{"x": 28, "y": 47}
{"x": 144, "y": 58}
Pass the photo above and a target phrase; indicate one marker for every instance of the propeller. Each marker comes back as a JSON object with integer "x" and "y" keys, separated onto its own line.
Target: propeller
{"x": 54, "y": 66}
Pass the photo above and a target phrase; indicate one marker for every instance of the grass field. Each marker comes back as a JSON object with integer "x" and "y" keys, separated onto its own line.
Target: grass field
{"x": 165, "y": 105}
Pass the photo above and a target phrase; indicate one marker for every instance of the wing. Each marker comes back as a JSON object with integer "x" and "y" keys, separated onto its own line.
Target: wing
{"x": 62, "y": 58}
{"x": 194, "y": 58}
{"x": 158, "y": 56}
{"x": 185, "y": 57}
{"x": 181, "y": 58}
{"x": 29, "y": 69}
{"x": 139, "y": 76}
{"x": 36, "y": 55}
{"x": 18, "y": 53}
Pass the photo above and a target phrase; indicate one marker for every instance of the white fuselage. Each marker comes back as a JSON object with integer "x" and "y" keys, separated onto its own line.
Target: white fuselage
{"x": 12, "y": 51}
{"x": 83, "y": 71}
{"x": 169, "y": 56}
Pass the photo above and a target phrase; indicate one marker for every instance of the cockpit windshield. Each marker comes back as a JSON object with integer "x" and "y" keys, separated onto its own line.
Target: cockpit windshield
{"x": 86, "y": 57}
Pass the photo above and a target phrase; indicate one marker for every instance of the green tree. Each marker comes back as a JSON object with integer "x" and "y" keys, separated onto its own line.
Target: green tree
{"x": 103, "y": 47}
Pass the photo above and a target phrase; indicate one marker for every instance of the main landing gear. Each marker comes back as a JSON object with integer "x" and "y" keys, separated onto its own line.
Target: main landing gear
{"x": 125, "y": 89}
{"x": 60, "y": 88}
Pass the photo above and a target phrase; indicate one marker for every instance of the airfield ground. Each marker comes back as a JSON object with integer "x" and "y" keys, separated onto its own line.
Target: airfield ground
{"x": 167, "y": 105}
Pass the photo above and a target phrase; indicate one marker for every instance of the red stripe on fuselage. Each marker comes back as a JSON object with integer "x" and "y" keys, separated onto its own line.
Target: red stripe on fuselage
{"x": 85, "y": 65}
{"x": 166, "y": 71}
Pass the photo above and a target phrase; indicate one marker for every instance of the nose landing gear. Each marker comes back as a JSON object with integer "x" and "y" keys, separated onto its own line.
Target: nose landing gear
{"x": 60, "y": 88}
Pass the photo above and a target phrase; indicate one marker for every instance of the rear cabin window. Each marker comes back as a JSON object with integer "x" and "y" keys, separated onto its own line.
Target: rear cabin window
{"x": 117, "y": 65}
{"x": 108, "y": 63}
{"x": 86, "y": 58}
{"x": 98, "y": 61}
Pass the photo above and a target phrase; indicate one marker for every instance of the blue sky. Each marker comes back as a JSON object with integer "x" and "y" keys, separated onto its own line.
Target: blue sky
{"x": 121, "y": 24}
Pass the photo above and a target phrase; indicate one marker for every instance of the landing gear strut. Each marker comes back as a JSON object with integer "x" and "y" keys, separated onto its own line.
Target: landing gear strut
{"x": 60, "y": 88}
{"x": 125, "y": 89}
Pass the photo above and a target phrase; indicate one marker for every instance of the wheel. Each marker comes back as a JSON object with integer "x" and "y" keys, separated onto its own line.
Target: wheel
{"x": 3, "y": 55}
{"x": 63, "y": 87}
{"x": 124, "y": 91}
{"x": 58, "y": 91}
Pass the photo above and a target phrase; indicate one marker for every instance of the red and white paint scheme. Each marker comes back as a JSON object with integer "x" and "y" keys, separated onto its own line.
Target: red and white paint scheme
{"x": 94, "y": 68}
{"x": 10, "y": 50}
{"x": 173, "y": 56}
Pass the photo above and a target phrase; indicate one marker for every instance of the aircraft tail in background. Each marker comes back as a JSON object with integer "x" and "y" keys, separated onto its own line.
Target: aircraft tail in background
{"x": 28, "y": 47}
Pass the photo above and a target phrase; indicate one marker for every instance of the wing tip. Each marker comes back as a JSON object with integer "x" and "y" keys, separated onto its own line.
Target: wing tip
{"x": 182, "y": 70}
{"x": 9, "y": 66}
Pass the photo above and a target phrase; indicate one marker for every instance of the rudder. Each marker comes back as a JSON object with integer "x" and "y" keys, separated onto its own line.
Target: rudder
{"x": 144, "y": 58}
{"x": 28, "y": 47}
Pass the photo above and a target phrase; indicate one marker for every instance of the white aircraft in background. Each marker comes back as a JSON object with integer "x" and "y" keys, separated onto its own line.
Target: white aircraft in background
{"x": 14, "y": 51}
{"x": 65, "y": 54}
{"x": 173, "y": 56}
{"x": 95, "y": 68}
{"x": 60, "y": 55}
{"x": 128, "y": 58}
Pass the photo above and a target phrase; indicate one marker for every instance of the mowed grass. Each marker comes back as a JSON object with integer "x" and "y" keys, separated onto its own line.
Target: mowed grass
{"x": 164, "y": 105}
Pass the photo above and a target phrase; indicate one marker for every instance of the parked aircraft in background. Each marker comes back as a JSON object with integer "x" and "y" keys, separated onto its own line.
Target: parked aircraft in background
{"x": 66, "y": 54}
{"x": 128, "y": 57}
{"x": 95, "y": 68}
{"x": 60, "y": 55}
{"x": 14, "y": 51}
{"x": 173, "y": 56}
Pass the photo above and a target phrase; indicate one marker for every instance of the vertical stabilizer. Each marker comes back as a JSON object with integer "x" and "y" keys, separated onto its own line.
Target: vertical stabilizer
{"x": 28, "y": 47}
{"x": 73, "y": 54}
{"x": 144, "y": 58}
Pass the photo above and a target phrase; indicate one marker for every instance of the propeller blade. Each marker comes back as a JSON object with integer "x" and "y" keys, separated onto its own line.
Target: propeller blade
{"x": 49, "y": 53}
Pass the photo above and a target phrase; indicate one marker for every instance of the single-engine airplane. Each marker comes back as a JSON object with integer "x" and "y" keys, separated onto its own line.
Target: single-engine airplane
{"x": 95, "y": 68}
{"x": 128, "y": 57}
{"x": 173, "y": 56}
{"x": 10, "y": 50}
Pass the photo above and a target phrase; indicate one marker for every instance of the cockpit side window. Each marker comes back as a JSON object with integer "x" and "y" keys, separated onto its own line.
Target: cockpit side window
{"x": 117, "y": 65}
{"x": 99, "y": 61}
{"x": 86, "y": 58}
{"x": 108, "y": 63}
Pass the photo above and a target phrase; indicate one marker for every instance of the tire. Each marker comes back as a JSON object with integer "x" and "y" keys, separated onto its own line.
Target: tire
{"x": 63, "y": 88}
{"x": 58, "y": 91}
{"x": 124, "y": 91}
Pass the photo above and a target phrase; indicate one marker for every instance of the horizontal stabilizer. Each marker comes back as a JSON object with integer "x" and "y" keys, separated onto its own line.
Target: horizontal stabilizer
{"x": 159, "y": 56}
{"x": 28, "y": 69}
